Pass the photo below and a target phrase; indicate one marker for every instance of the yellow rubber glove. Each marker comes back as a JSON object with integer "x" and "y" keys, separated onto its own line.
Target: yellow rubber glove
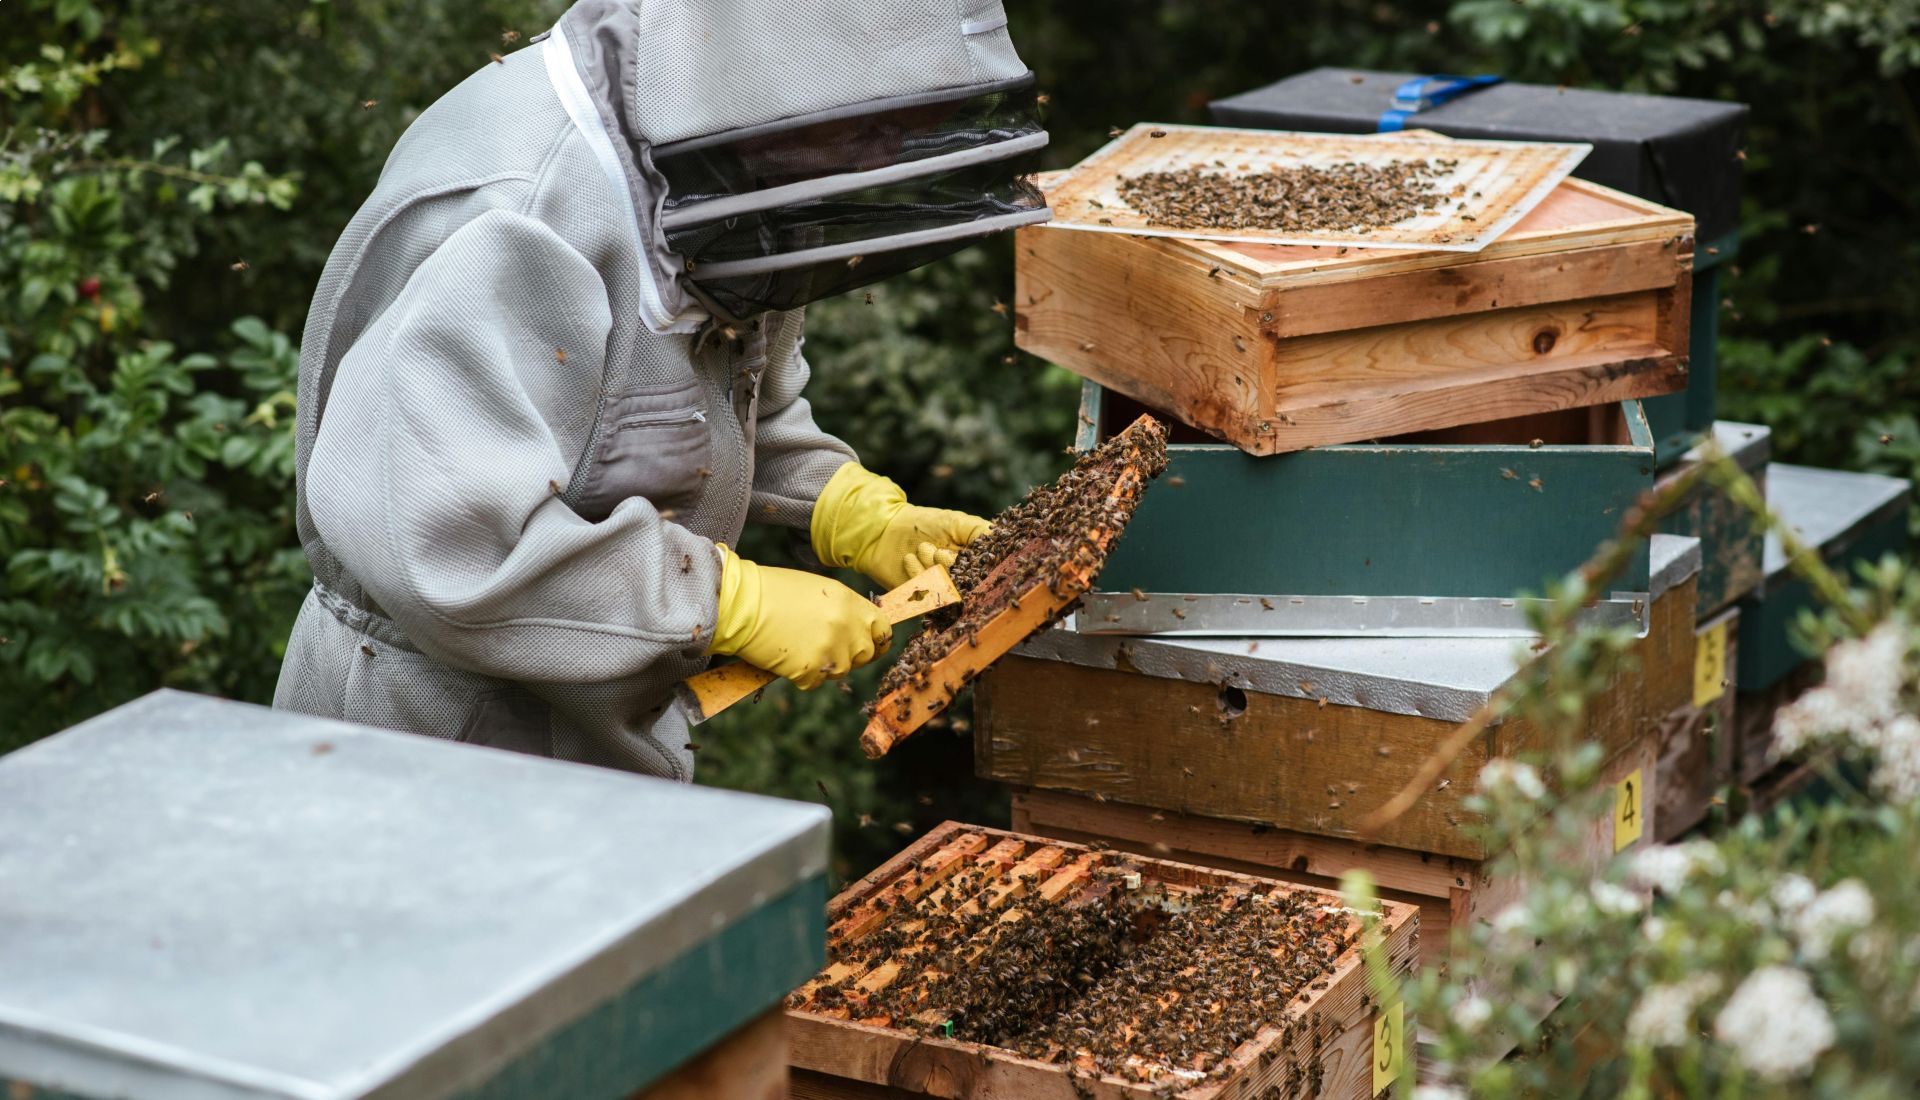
{"x": 863, "y": 520}
{"x": 800, "y": 625}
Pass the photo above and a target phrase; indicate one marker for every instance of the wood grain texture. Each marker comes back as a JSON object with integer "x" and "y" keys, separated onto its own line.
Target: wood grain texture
{"x": 1450, "y": 892}
{"x": 1182, "y": 334}
{"x": 1281, "y": 349}
{"x": 750, "y": 1064}
{"x": 1474, "y": 287}
{"x": 1696, "y": 754}
{"x": 1284, "y": 761}
{"x": 1316, "y": 1051}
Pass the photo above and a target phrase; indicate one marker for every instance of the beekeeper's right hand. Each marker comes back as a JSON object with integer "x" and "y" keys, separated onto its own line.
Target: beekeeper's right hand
{"x": 803, "y": 626}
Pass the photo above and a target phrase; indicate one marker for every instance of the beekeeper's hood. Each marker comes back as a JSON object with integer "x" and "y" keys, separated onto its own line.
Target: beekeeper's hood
{"x": 780, "y": 151}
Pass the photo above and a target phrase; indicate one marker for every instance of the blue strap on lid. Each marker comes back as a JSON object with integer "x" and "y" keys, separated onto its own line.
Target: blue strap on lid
{"x": 1422, "y": 92}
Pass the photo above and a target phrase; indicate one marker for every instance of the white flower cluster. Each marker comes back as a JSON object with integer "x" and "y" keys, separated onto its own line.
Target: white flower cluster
{"x": 1663, "y": 1017}
{"x": 1471, "y": 1012}
{"x": 1860, "y": 701}
{"x": 1616, "y": 901}
{"x": 1512, "y": 775}
{"x": 1666, "y": 867}
{"x": 1846, "y": 907}
{"x": 1775, "y": 1022}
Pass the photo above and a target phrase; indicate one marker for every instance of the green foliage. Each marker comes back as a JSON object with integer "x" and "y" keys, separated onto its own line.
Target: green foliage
{"x": 199, "y": 157}
{"x": 1772, "y": 958}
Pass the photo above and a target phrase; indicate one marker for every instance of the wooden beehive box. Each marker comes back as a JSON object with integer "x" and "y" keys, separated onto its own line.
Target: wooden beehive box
{"x": 1476, "y": 512}
{"x": 1321, "y": 1045}
{"x": 281, "y": 906}
{"x": 1281, "y": 348}
{"x": 1730, "y": 541}
{"x": 1697, "y": 739}
{"x": 1450, "y": 891}
{"x": 1304, "y": 734}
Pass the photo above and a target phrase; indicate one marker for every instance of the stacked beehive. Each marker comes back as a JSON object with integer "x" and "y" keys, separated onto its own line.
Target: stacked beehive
{"x": 1476, "y": 426}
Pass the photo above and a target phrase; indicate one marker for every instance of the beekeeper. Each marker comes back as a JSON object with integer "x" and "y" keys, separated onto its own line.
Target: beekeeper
{"x": 555, "y": 364}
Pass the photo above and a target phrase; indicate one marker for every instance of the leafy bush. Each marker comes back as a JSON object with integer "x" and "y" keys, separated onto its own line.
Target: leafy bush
{"x": 198, "y": 158}
{"x": 1777, "y": 956}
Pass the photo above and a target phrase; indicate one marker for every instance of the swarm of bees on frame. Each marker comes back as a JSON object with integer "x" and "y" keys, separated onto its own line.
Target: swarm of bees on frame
{"x": 1116, "y": 975}
{"x": 1029, "y": 545}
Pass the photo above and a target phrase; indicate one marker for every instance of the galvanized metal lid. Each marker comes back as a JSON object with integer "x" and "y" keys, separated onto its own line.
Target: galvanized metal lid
{"x": 1443, "y": 678}
{"x": 201, "y": 898}
{"x": 1827, "y": 508}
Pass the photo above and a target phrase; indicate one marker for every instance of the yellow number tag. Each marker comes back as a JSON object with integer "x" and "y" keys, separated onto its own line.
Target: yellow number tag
{"x": 1629, "y": 810}
{"x": 1389, "y": 1046}
{"x": 1710, "y": 665}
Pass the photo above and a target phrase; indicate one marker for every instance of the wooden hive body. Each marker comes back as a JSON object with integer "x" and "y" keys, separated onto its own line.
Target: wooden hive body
{"x": 1323, "y": 1048}
{"x": 1300, "y": 734}
{"x": 1280, "y": 348}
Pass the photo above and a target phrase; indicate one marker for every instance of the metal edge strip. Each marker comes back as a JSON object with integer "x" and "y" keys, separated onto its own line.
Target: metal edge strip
{"x": 1230, "y": 615}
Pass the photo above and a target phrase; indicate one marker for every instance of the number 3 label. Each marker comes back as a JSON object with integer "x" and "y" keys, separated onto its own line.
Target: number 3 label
{"x": 1389, "y": 1046}
{"x": 1629, "y": 810}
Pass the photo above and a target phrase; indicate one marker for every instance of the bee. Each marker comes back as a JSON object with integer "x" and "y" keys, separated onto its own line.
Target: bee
{"x": 691, "y": 746}
{"x": 560, "y": 355}
{"x": 999, "y": 307}
{"x": 854, "y": 261}
{"x": 869, "y": 297}
{"x": 509, "y": 37}
{"x": 1508, "y": 473}
{"x": 1156, "y": 133}
{"x": 369, "y": 104}
{"x": 367, "y": 649}
{"x": 497, "y": 59}
{"x": 1536, "y": 485}
{"x": 238, "y": 265}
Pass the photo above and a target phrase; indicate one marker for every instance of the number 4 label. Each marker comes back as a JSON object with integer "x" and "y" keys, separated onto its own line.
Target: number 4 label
{"x": 1389, "y": 1045}
{"x": 1629, "y": 810}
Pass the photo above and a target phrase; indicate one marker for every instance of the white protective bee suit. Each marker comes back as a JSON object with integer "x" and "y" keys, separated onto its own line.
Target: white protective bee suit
{"x": 540, "y": 378}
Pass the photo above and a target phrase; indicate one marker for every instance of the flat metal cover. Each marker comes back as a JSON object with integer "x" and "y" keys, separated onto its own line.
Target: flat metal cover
{"x": 201, "y": 898}
{"x": 1497, "y": 182}
{"x": 1827, "y": 508}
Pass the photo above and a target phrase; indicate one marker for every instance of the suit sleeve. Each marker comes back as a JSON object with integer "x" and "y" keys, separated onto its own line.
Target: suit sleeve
{"x": 793, "y": 458}
{"x": 436, "y": 473}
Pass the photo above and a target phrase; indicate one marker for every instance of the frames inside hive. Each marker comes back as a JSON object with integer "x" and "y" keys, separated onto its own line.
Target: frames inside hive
{"x": 1031, "y": 567}
{"x": 1077, "y": 957}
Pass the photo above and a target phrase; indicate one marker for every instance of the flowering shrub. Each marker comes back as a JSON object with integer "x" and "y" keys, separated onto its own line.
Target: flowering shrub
{"x": 1780, "y": 957}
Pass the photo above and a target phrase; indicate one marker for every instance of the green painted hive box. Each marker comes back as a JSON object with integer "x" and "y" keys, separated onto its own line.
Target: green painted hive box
{"x": 206, "y": 899}
{"x": 1852, "y": 518}
{"x": 1482, "y": 512}
{"x": 1731, "y": 543}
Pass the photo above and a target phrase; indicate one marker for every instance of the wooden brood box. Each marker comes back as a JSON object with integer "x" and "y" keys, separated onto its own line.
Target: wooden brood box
{"x": 1323, "y": 1047}
{"x": 1697, "y": 739}
{"x": 1451, "y": 892}
{"x": 1301, "y": 734}
{"x": 1280, "y": 348}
